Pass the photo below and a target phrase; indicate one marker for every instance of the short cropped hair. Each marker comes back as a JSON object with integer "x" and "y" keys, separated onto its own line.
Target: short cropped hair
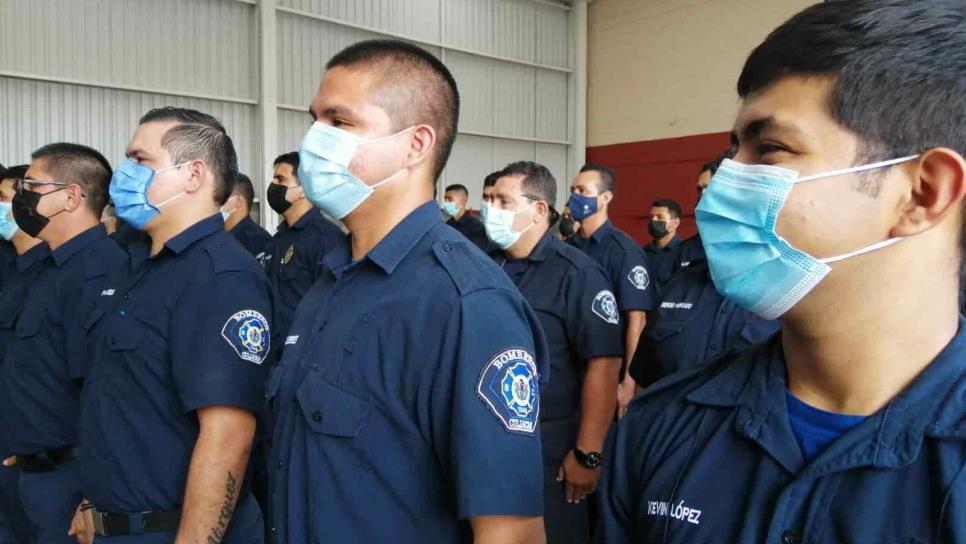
{"x": 674, "y": 209}
{"x": 538, "y": 182}
{"x": 80, "y": 165}
{"x": 199, "y": 136}
{"x": 245, "y": 188}
{"x": 608, "y": 180}
{"x": 413, "y": 86}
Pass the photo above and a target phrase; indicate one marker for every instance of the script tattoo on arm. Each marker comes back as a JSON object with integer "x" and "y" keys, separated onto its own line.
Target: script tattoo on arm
{"x": 227, "y": 508}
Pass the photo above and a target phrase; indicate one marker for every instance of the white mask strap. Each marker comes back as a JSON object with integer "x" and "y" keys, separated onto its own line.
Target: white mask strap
{"x": 855, "y": 169}
{"x": 863, "y": 251}
{"x": 172, "y": 199}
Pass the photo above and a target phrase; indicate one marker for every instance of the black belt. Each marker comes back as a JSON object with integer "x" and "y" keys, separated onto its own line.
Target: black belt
{"x": 48, "y": 460}
{"x": 112, "y": 524}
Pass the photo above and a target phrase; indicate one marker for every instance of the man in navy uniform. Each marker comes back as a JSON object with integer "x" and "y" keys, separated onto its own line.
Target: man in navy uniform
{"x": 623, "y": 261}
{"x": 177, "y": 374}
{"x": 662, "y": 252}
{"x": 406, "y": 405}
{"x": 842, "y": 215}
{"x": 693, "y": 323}
{"x": 579, "y": 315}
{"x": 293, "y": 256}
{"x": 237, "y": 212}
{"x": 31, "y": 253}
{"x": 59, "y": 200}
{"x": 455, "y": 200}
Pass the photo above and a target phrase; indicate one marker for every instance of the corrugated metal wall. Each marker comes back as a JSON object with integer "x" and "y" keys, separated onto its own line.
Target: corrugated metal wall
{"x": 85, "y": 70}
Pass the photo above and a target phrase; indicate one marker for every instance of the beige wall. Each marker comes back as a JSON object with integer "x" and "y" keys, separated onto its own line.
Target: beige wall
{"x": 667, "y": 68}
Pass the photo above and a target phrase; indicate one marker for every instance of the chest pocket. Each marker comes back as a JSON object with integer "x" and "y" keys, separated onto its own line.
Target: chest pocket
{"x": 663, "y": 329}
{"x": 330, "y": 410}
{"x": 29, "y": 324}
{"x": 125, "y": 335}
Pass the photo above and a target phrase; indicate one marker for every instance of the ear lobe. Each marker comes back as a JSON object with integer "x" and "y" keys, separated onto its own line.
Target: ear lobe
{"x": 937, "y": 189}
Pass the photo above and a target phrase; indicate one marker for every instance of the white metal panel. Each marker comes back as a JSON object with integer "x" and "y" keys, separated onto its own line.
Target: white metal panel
{"x": 554, "y": 157}
{"x": 515, "y": 29}
{"x": 551, "y": 106}
{"x": 552, "y": 36}
{"x": 36, "y": 113}
{"x": 199, "y": 46}
{"x": 416, "y": 18}
{"x": 292, "y": 126}
{"x": 305, "y": 46}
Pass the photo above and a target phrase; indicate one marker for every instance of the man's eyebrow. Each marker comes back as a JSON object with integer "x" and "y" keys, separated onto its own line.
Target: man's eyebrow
{"x": 337, "y": 111}
{"x": 755, "y": 127}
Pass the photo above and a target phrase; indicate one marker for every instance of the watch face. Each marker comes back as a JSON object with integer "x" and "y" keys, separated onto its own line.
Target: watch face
{"x": 592, "y": 460}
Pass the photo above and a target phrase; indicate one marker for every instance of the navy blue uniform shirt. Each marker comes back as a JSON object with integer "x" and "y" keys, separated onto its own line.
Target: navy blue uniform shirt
{"x": 662, "y": 261}
{"x": 472, "y": 228}
{"x": 624, "y": 263}
{"x": 41, "y": 397}
{"x": 710, "y": 456}
{"x": 251, "y": 235}
{"x": 292, "y": 260}
{"x": 693, "y": 324}
{"x": 579, "y": 316}
{"x": 187, "y": 330}
{"x": 407, "y": 400}
{"x": 8, "y": 261}
{"x": 12, "y": 297}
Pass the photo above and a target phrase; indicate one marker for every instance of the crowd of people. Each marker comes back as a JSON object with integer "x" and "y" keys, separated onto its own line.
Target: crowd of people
{"x": 390, "y": 366}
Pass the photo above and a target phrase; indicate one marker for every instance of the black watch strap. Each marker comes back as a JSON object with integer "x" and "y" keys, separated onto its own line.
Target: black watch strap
{"x": 589, "y": 459}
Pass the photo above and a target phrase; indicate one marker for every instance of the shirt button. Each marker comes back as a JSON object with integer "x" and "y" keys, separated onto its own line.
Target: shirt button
{"x": 448, "y": 247}
{"x": 127, "y": 296}
{"x": 316, "y": 416}
{"x": 790, "y": 537}
{"x": 280, "y": 465}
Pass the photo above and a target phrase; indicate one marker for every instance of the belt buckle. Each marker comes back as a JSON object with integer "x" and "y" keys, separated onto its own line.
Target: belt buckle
{"x": 99, "y": 528}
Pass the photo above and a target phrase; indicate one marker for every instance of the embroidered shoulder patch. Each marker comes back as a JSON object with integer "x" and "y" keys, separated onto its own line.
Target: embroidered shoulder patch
{"x": 508, "y": 386}
{"x": 605, "y": 306}
{"x": 639, "y": 277}
{"x": 248, "y": 334}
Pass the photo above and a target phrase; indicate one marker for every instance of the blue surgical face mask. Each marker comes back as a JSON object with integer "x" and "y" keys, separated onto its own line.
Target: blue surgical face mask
{"x": 451, "y": 209}
{"x": 129, "y": 192}
{"x": 484, "y": 209}
{"x": 8, "y": 227}
{"x": 324, "y": 159}
{"x": 499, "y": 226}
{"x": 750, "y": 264}
{"x": 582, "y": 207}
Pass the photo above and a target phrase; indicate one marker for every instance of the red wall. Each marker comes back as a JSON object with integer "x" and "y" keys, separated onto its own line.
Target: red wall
{"x": 647, "y": 171}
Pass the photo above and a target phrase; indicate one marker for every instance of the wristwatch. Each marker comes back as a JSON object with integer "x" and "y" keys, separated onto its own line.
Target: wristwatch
{"x": 589, "y": 459}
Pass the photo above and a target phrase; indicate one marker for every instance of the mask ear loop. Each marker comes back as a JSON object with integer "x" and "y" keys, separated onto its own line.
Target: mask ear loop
{"x": 374, "y": 140}
{"x": 863, "y": 251}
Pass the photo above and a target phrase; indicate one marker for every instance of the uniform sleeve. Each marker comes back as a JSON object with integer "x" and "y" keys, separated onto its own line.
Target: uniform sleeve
{"x": 494, "y": 443}
{"x": 618, "y": 500}
{"x": 593, "y": 320}
{"x": 221, "y": 338}
{"x": 634, "y": 285}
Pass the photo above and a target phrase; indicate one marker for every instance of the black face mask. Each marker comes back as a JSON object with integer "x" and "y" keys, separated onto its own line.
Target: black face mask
{"x": 657, "y": 229}
{"x": 276, "y": 197}
{"x": 567, "y": 227}
{"x": 25, "y": 212}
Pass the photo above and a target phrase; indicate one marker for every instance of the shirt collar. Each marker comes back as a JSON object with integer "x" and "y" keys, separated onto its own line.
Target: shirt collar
{"x": 303, "y": 221}
{"x": 195, "y": 232}
{"x": 602, "y": 232}
{"x": 74, "y": 246}
{"x": 673, "y": 244}
{"x": 392, "y": 249}
{"x": 933, "y": 405}
{"x": 32, "y": 256}
{"x": 544, "y": 246}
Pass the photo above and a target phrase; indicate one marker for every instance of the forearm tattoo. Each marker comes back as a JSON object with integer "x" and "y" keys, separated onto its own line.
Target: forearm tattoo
{"x": 224, "y": 517}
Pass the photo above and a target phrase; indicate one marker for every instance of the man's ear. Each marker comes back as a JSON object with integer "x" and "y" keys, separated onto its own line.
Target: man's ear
{"x": 938, "y": 184}
{"x": 75, "y": 197}
{"x": 199, "y": 171}
{"x": 421, "y": 144}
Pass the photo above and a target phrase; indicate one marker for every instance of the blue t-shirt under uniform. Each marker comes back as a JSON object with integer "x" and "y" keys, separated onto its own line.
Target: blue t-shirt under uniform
{"x": 815, "y": 429}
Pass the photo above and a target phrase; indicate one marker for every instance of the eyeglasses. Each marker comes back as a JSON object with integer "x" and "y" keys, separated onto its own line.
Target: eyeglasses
{"x": 23, "y": 182}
